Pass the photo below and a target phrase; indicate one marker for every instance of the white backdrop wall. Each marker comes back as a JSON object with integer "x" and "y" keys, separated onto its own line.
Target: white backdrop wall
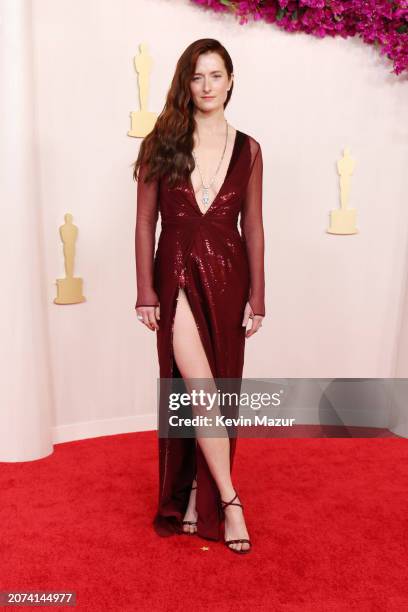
{"x": 336, "y": 305}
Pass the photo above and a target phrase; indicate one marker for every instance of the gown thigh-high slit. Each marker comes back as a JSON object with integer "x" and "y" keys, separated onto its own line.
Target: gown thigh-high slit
{"x": 219, "y": 268}
{"x": 192, "y": 361}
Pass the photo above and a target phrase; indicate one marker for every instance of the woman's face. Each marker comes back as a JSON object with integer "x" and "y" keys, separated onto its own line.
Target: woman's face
{"x": 210, "y": 84}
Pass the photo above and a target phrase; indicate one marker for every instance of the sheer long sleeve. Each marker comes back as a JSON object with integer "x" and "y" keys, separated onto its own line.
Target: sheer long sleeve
{"x": 145, "y": 237}
{"x": 252, "y": 231}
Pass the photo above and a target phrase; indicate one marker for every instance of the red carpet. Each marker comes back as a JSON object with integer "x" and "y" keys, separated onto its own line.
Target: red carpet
{"x": 328, "y": 519}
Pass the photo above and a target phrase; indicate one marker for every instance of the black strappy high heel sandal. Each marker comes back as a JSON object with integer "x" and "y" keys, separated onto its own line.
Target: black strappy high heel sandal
{"x": 189, "y": 522}
{"x": 241, "y": 540}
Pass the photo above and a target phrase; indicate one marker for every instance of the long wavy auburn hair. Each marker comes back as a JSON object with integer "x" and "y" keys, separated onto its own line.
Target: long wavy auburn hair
{"x": 167, "y": 149}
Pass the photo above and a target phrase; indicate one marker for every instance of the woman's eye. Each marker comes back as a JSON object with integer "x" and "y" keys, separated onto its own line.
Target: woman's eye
{"x": 217, "y": 76}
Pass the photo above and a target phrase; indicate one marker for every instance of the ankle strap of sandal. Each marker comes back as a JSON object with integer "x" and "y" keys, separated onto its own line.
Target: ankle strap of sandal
{"x": 230, "y": 503}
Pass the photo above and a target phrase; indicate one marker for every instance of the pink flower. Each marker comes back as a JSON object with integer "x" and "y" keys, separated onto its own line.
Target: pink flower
{"x": 379, "y": 22}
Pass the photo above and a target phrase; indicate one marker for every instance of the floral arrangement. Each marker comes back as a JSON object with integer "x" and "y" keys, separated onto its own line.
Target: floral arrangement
{"x": 383, "y": 23}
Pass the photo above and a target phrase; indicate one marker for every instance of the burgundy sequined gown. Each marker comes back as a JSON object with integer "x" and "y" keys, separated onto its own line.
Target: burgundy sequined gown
{"x": 220, "y": 269}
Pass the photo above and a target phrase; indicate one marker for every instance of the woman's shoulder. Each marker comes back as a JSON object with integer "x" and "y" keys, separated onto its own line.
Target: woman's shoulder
{"x": 253, "y": 143}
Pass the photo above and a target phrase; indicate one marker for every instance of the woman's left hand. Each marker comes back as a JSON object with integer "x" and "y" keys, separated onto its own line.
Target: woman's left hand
{"x": 256, "y": 321}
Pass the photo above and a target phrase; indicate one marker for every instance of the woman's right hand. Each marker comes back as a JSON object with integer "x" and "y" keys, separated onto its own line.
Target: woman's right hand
{"x": 149, "y": 316}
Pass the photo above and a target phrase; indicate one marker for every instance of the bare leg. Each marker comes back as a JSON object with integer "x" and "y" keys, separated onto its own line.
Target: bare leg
{"x": 192, "y": 362}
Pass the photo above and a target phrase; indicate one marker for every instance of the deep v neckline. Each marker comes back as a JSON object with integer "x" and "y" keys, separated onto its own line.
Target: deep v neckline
{"x": 190, "y": 183}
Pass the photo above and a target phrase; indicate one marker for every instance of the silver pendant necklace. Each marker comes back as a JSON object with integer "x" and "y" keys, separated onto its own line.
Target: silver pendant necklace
{"x": 206, "y": 188}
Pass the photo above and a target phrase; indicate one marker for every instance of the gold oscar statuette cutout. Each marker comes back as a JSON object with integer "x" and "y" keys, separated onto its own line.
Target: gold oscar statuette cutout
{"x": 343, "y": 220}
{"x": 69, "y": 288}
{"x": 142, "y": 121}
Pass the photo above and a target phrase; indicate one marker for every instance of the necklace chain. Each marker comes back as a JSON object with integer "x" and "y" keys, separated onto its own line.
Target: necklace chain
{"x": 206, "y": 189}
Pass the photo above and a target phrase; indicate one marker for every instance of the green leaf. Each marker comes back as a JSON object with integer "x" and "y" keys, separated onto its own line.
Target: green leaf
{"x": 281, "y": 12}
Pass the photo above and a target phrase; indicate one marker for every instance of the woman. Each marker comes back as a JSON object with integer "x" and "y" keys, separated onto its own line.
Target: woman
{"x": 206, "y": 280}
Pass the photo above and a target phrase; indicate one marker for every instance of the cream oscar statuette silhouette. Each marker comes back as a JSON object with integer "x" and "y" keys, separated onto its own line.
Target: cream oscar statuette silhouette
{"x": 343, "y": 220}
{"x": 142, "y": 121}
{"x": 69, "y": 288}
